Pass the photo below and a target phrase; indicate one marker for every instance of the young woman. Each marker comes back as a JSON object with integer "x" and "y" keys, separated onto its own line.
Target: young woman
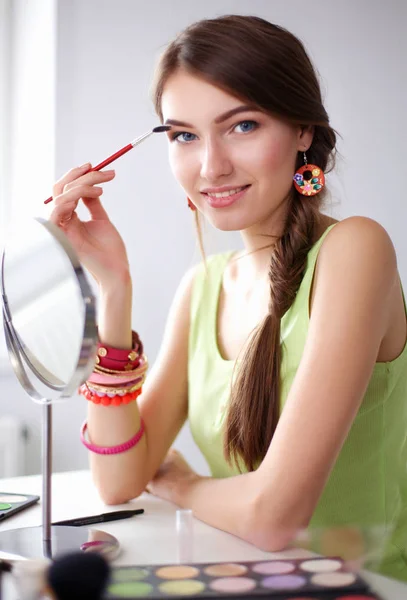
{"x": 289, "y": 359}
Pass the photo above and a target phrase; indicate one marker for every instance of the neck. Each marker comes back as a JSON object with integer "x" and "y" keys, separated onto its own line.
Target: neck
{"x": 254, "y": 261}
{"x": 258, "y": 244}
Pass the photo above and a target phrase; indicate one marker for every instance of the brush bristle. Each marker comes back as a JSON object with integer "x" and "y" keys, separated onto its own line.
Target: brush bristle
{"x": 5, "y": 566}
{"x": 161, "y": 128}
{"x": 78, "y": 576}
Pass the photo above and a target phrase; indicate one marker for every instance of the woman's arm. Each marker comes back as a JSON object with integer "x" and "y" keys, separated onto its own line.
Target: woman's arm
{"x": 355, "y": 280}
{"x": 162, "y": 405}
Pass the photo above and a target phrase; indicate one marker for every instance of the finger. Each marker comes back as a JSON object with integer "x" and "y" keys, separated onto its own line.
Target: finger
{"x": 66, "y": 204}
{"x": 96, "y": 209}
{"x": 63, "y": 213}
{"x": 78, "y": 192}
{"x": 69, "y": 176}
{"x": 90, "y": 178}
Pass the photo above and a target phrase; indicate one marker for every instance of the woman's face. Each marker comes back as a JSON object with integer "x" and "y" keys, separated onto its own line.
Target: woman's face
{"x": 234, "y": 162}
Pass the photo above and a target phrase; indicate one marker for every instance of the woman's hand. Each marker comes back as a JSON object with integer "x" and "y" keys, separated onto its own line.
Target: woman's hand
{"x": 172, "y": 478}
{"x": 97, "y": 242}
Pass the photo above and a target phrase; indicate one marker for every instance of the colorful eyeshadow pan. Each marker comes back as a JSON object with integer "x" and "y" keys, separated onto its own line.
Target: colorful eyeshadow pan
{"x": 274, "y": 567}
{"x": 288, "y": 579}
{"x": 321, "y": 566}
{"x": 133, "y": 574}
{"x": 177, "y": 572}
{"x": 130, "y": 589}
{"x": 334, "y": 580}
{"x": 12, "y": 498}
{"x": 232, "y": 585}
{"x": 225, "y": 570}
{"x": 11, "y": 504}
{"x": 185, "y": 587}
{"x": 284, "y": 582}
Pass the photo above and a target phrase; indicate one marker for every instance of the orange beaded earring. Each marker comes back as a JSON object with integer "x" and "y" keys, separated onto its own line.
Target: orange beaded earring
{"x": 191, "y": 205}
{"x": 309, "y": 179}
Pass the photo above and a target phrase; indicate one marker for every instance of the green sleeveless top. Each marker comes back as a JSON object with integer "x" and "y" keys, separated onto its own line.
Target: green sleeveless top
{"x": 368, "y": 485}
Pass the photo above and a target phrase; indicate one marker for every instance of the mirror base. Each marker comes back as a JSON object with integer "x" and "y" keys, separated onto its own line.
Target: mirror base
{"x": 28, "y": 542}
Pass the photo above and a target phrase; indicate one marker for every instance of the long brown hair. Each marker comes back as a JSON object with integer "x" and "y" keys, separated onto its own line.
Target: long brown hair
{"x": 266, "y": 65}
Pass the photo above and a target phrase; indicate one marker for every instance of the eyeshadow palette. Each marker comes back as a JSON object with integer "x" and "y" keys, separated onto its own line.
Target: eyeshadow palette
{"x": 299, "y": 579}
{"x": 10, "y": 504}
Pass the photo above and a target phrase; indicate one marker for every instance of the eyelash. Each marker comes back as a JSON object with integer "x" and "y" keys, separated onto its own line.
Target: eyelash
{"x": 175, "y": 136}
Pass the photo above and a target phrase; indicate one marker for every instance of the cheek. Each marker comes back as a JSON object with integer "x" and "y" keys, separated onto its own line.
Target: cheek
{"x": 182, "y": 166}
{"x": 278, "y": 158}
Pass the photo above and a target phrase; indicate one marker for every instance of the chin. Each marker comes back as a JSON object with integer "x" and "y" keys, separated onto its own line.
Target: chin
{"x": 231, "y": 222}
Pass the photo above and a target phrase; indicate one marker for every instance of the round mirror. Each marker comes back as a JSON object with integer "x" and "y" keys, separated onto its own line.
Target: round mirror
{"x": 48, "y": 310}
{"x": 51, "y": 336}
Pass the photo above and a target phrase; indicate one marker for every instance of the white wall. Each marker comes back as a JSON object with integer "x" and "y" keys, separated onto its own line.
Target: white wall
{"x": 5, "y": 72}
{"x": 106, "y": 50}
{"x": 28, "y": 143}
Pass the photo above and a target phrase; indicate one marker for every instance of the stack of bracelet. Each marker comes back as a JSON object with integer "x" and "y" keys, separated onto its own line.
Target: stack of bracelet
{"x": 118, "y": 375}
{"x": 117, "y": 379}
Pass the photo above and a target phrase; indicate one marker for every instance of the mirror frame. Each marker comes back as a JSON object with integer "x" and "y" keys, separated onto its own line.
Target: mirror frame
{"x": 18, "y": 355}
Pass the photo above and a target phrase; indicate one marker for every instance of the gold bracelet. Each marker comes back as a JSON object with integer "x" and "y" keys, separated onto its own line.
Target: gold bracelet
{"x": 123, "y": 374}
{"x": 95, "y": 387}
{"x": 134, "y": 372}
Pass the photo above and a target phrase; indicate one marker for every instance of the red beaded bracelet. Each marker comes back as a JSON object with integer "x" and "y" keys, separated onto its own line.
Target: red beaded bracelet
{"x": 107, "y": 400}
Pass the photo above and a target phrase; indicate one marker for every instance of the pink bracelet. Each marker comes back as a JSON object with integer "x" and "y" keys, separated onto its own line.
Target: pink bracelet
{"x": 118, "y": 358}
{"x": 112, "y": 449}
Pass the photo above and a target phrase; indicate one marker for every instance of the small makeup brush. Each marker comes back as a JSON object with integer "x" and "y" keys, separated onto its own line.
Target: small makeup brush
{"x": 123, "y": 150}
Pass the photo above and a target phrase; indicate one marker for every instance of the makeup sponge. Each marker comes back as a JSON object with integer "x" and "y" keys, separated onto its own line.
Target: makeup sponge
{"x": 79, "y": 576}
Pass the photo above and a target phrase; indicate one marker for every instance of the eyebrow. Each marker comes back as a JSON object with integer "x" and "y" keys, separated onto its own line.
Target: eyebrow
{"x": 223, "y": 117}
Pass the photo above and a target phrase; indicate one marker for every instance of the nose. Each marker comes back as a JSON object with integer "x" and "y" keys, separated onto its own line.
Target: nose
{"x": 215, "y": 161}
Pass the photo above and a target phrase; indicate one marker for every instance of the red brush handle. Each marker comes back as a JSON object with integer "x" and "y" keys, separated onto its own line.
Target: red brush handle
{"x": 104, "y": 163}
{"x": 109, "y": 160}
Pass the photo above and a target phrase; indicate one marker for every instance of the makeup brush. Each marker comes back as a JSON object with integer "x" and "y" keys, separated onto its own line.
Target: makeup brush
{"x": 123, "y": 150}
{"x": 83, "y": 576}
{"x": 78, "y": 576}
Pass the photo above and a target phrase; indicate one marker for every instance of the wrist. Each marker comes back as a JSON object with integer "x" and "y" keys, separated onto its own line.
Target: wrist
{"x": 115, "y": 304}
{"x": 118, "y": 283}
{"x": 184, "y": 489}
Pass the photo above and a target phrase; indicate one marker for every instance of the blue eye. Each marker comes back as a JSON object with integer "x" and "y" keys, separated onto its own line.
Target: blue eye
{"x": 183, "y": 137}
{"x": 247, "y": 126}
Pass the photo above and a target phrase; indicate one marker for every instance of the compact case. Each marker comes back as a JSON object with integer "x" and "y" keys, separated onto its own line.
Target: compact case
{"x": 291, "y": 579}
{"x": 10, "y": 504}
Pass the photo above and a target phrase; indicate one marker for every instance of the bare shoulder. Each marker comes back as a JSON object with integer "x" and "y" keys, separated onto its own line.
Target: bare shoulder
{"x": 359, "y": 243}
{"x": 183, "y": 294}
{"x": 184, "y": 291}
{"x": 356, "y": 260}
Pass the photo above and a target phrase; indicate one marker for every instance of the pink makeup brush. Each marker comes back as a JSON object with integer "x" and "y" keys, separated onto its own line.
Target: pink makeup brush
{"x": 125, "y": 149}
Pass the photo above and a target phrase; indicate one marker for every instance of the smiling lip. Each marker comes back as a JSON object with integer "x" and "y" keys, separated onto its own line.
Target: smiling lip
{"x": 223, "y": 202}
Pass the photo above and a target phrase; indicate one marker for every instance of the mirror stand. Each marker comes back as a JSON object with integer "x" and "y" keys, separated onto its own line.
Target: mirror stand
{"x": 47, "y": 540}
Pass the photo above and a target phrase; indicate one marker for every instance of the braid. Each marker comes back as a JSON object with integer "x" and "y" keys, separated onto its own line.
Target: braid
{"x": 260, "y": 376}
{"x": 290, "y": 253}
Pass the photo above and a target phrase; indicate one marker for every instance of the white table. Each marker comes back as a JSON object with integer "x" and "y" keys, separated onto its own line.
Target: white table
{"x": 149, "y": 538}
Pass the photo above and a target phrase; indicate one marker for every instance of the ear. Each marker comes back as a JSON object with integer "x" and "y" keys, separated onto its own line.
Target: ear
{"x": 305, "y": 137}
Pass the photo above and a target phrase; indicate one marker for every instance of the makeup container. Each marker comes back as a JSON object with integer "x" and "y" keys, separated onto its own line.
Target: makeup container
{"x": 321, "y": 578}
{"x": 184, "y": 527}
